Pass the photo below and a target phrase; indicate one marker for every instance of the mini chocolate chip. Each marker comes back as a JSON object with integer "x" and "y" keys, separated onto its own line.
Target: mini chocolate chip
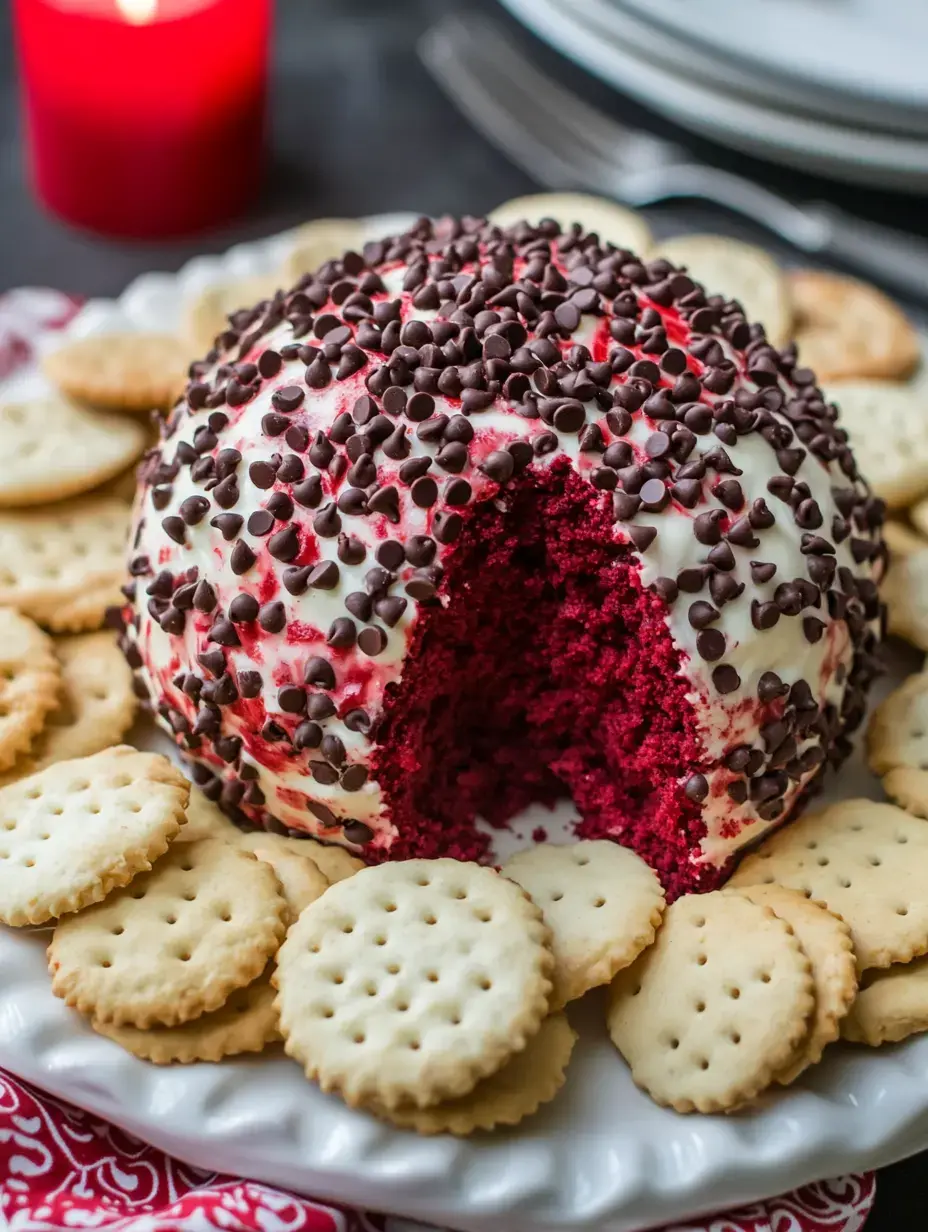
{"x": 372, "y": 641}
{"x": 764, "y": 615}
{"x": 697, "y": 788}
{"x": 324, "y": 576}
{"x": 291, "y": 699}
{"x": 297, "y": 437}
{"x": 722, "y": 557}
{"x": 354, "y": 777}
{"x": 360, "y": 605}
{"x": 242, "y": 557}
{"x": 424, "y": 491}
{"x": 204, "y": 597}
{"x": 358, "y": 721}
{"x": 667, "y": 588}
{"x": 223, "y": 632}
{"x": 642, "y": 536}
{"x": 357, "y": 832}
{"x": 741, "y": 533}
{"x": 174, "y": 528}
{"x": 762, "y": 571}
{"x": 285, "y": 544}
{"x": 261, "y": 522}
{"x": 654, "y": 494}
{"x": 327, "y": 522}
{"x": 342, "y": 632}
{"x": 812, "y": 628}
{"x": 272, "y": 617}
{"x": 701, "y": 614}
{"x": 308, "y": 735}
{"x": 319, "y": 671}
{"x": 308, "y": 493}
{"x": 262, "y": 474}
{"x": 710, "y": 644}
{"x": 706, "y": 527}
{"x": 725, "y": 678}
{"x": 351, "y": 551}
{"x": 243, "y": 608}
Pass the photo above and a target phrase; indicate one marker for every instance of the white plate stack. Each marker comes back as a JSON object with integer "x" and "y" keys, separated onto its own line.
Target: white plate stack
{"x": 834, "y": 87}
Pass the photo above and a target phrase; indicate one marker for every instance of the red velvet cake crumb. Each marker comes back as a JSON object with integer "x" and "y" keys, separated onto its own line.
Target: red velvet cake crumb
{"x": 548, "y": 671}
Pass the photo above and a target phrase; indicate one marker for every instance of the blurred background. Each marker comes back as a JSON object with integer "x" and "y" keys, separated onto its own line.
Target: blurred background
{"x": 357, "y": 125}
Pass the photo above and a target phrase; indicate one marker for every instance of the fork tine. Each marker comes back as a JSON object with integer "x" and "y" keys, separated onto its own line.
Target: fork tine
{"x": 503, "y": 112}
{"x": 603, "y": 137}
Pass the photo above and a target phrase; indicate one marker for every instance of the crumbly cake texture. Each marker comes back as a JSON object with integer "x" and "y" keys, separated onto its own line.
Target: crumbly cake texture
{"x": 479, "y": 517}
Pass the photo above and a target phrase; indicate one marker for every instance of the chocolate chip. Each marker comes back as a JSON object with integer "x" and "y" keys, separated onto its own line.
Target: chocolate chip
{"x": 424, "y": 491}
{"x": 242, "y": 557}
{"x": 726, "y": 679}
{"x": 271, "y": 616}
{"x": 706, "y": 527}
{"x": 764, "y": 615}
{"x": 324, "y": 576}
{"x": 813, "y": 629}
{"x": 372, "y": 641}
{"x": 697, "y": 788}
{"x": 351, "y": 551}
{"x": 174, "y": 528}
{"x": 654, "y": 495}
{"x": 242, "y": 609}
{"x": 701, "y": 614}
{"x": 204, "y": 597}
{"x": 319, "y": 671}
{"x": 327, "y": 522}
{"x": 770, "y": 687}
{"x": 262, "y": 474}
{"x": 342, "y": 633}
{"x": 193, "y": 510}
{"x": 360, "y": 605}
{"x": 308, "y": 735}
{"x": 357, "y": 832}
{"x": 667, "y": 588}
{"x": 642, "y": 536}
{"x": 223, "y": 632}
{"x": 742, "y": 534}
{"x": 228, "y": 524}
{"x": 261, "y": 522}
{"x": 710, "y": 644}
{"x": 762, "y": 571}
{"x": 291, "y": 699}
{"x": 309, "y": 492}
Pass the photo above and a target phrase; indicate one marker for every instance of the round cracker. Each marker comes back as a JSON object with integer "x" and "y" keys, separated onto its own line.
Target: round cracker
{"x": 738, "y": 271}
{"x": 323, "y": 239}
{"x": 78, "y": 829}
{"x": 207, "y": 820}
{"x": 865, "y": 862}
{"x": 96, "y": 707}
{"x": 30, "y": 681}
{"x": 63, "y": 564}
{"x": 245, "y": 1022}
{"x": 175, "y": 943}
{"x": 596, "y": 215}
{"x": 846, "y": 329}
{"x": 531, "y": 1078}
{"x": 410, "y": 982}
{"x": 55, "y": 449}
{"x": 602, "y": 903}
{"x": 888, "y": 425}
{"x": 716, "y": 1008}
{"x": 136, "y": 372}
{"x": 897, "y": 744}
{"x": 891, "y": 1005}
{"x": 207, "y": 314}
{"x": 905, "y": 593}
{"x": 301, "y": 881}
{"x": 826, "y": 941}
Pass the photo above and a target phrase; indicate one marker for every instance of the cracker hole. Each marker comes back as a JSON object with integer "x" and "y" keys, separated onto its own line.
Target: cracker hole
{"x": 393, "y": 968}
{"x": 902, "y": 911}
{"x": 44, "y": 835}
{"x": 483, "y": 915}
{"x": 380, "y": 941}
{"x": 823, "y": 861}
{"x": 700, "y": 1007}
{"x": 700, "y": 922}
{"x": 347, "y": 928}
{"x": 582, "y": 860}
{"x": 29, "y": 862}
{"x": 338, "y": 978}
{"x": 843, "y": 882}
{"x": 432, "y": 977}
{"x": 170, "y": 919}
{"x": 359, "y": 1037}
{"x": 455, "y": 1020}
{"x": 806, "y": 890}
{"x": 557, "y": 896}
{"x": 460, "y": 894}
{"x": 423, "y": 881}
{"x": 106, "y": 963}
{"x": 857, "y": 829}
{"x": 674, "y": 1043}
{"x": 186, "y": 868}
{"x": 703, "y": 1063}
{"x": 429, "y": 919}
{"x": 327, "y": 1012}
{"x": 701, "y": 959}
{"x": 390, "y": 907}
{"x": 9, "y": 824}
{"x": 34, "y": 793}
{"x": 414, "y": 1045}
{"x": 765, "y": 977}
{"x": 56, "y": 810}
{"x": 121, "y": 780}
{"x": 189, "y": 896}
{"x": 875, "y": 861}
{"x": 137, "y": 893}
{"x": 812, "y": 845}
{"x": 599, "y": 902}
{"x": 735, "y": 1037}
{"x": 402, "y": 1007}
{"x": 225, "y": 915}
{"x": 136, "y": 808}
{"x": 485, "y": 984}
{"x": 184, "y": 956}
{"x": 118, "y": 930}
{"x": 371, "y": 990}
{"x": 94, "y": 808}
{"x": 902, "y": 839}
{"x": 734, "y": 993}
{"x": 636, "y": 990}
{"x": 314, "y": 949}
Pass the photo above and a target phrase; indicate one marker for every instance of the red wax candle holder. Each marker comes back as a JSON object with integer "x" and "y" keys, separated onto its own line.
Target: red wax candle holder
{"x": 145, "y": 118}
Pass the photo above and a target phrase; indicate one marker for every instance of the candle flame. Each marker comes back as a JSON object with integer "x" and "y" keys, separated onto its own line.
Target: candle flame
{"x": 138, "y": 12}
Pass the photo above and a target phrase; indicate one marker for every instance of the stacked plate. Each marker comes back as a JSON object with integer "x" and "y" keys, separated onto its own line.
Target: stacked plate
{"x": 835, "y": 87}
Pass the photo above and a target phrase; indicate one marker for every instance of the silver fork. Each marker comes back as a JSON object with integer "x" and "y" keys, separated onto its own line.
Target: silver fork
{"x": 563, "y": 143}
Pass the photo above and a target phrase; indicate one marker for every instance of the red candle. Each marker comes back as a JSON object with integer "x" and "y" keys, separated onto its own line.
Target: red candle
{"x": 145, "y": 118}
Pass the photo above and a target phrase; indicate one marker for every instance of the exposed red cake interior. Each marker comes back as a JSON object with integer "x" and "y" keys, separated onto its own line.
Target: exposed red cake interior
{"x": 550, "y": 672}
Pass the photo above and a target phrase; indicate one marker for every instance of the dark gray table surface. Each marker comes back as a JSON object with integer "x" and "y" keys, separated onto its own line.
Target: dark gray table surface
{"x": 358, "y": 127}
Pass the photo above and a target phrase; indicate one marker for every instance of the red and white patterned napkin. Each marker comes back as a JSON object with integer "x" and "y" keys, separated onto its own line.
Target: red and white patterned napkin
{"x": 63, "y": 1169}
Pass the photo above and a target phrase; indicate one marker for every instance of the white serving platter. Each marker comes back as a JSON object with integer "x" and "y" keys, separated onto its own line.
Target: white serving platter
{"x": 602, "y": 1155}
